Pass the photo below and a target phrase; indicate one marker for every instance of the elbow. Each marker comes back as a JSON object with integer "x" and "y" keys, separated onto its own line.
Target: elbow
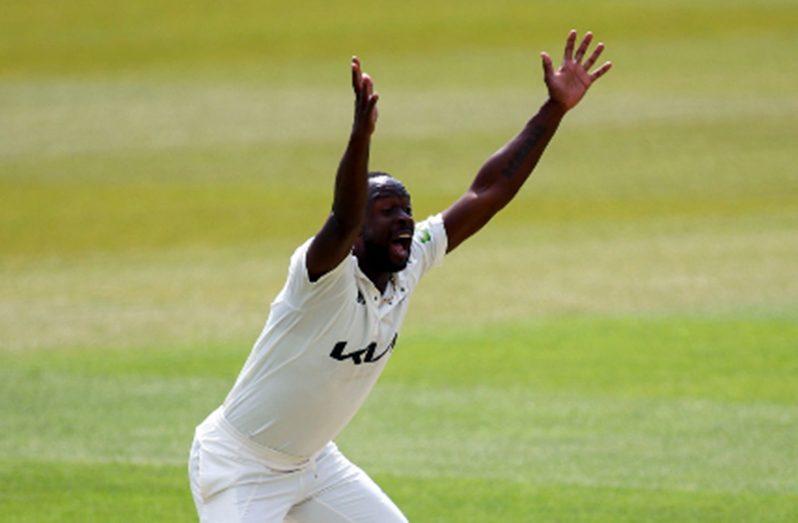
{"x": 492, "y": 199}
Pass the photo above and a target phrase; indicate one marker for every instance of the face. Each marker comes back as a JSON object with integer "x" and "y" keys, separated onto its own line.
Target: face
{"x": 384, "y": 244}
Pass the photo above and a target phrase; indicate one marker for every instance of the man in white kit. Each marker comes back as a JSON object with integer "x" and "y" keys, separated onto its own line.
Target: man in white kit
{"x": 266, "y": 455}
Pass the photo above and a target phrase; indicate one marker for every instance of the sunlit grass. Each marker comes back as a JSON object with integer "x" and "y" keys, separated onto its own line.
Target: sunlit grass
{"x": 618, "y": 345}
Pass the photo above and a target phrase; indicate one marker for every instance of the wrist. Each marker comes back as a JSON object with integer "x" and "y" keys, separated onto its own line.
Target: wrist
{"x": 360, "y": 133}
{"x": 555, "y": 107}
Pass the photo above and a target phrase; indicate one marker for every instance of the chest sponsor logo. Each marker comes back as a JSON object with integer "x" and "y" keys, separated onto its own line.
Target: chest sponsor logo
{"x": 366, "y": 355}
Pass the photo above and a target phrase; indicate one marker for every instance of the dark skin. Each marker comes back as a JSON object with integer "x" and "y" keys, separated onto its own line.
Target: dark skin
{"x": 383, "y": 246}
{"x": 374, "y": 228}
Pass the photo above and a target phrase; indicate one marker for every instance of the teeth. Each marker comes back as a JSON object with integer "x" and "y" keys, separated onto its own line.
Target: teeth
{"x": 405, "y": 235}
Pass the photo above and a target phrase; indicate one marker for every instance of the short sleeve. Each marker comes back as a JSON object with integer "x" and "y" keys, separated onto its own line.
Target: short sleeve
{"x": 299, "y": 289}
{"x": 429, "y": 246}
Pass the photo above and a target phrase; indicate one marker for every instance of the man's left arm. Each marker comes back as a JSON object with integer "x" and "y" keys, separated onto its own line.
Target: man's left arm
{"x": 500, "y": 178}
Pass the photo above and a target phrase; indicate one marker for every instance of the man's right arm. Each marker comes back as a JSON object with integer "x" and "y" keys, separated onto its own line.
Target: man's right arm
{"x": 334, "y": 241}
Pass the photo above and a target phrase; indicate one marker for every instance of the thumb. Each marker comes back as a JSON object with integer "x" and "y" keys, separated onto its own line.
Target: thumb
{"x": 548, "y": 69}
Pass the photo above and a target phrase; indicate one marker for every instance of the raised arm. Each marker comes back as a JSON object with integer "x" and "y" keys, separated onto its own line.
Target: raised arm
{"x": 335, "y": 239}
{"x": 498, "y": 181}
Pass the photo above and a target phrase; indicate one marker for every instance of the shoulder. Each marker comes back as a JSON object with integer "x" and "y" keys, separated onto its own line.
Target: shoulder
{"x": 430, "y": 231}
{"x": 429, "y": 246}
{"x": 299, "y": 288}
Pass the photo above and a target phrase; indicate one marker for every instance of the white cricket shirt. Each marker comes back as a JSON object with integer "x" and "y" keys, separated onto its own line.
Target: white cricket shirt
{"x": 324, "y": 345}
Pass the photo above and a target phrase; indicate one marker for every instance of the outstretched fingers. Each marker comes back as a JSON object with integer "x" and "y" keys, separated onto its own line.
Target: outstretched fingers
{"x": 568, "y": 83}
{"x": 594, "y": 56}
{"x": 577, "y": 57}
{"x": 357, "y": 75}
{"x": 580, "y": 53}
{"x": 372, "y": 103}
{"x": 362, "y": 84}
{"x": 367, "y": 85}
{"x": 548, "y": 67}
{"x": 569, "y": 46}
{"x": 365, "y": 98}
{"x": 598, "y": 73}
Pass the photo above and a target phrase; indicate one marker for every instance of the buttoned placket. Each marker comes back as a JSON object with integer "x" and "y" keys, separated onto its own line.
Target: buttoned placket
{"x": 381, "y": 305}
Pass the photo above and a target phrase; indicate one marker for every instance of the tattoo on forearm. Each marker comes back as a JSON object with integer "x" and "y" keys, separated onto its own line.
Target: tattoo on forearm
{"x": 528, "y": 144}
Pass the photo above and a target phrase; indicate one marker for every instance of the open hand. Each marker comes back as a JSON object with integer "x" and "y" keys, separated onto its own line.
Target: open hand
{"x": 568, "y": 84}
{"x": 365, "y": 99}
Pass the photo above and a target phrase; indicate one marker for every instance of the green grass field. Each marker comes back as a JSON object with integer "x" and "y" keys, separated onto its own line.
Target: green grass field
{"x": 619, "y": 345}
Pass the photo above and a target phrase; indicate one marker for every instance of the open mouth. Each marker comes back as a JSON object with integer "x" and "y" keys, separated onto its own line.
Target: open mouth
{"x": 400, "y": 245}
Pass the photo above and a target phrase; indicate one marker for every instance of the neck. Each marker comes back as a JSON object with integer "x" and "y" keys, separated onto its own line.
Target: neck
{"x": 380, "y": 279}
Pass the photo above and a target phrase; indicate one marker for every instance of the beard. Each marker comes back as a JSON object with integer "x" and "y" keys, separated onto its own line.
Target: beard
{"x": 384, "y": 258}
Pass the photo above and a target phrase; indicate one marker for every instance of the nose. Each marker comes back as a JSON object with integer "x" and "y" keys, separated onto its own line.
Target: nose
{"x": 405, "y": 218}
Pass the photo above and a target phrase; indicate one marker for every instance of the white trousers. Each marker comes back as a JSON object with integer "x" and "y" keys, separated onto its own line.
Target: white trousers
{"x": 236, "y": 481}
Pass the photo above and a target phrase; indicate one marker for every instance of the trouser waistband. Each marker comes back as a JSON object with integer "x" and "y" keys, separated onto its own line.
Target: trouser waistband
{"x": 275, "y": 459}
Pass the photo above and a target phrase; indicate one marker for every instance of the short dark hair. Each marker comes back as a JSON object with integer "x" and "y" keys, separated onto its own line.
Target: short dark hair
{"x": 376, "y": 187}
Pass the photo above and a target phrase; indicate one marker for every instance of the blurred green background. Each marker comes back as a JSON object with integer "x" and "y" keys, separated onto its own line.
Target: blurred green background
{"x": 620, "y": 344}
